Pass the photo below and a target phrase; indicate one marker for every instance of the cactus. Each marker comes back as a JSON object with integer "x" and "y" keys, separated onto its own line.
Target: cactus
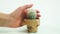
{"x": 31, "y": 14}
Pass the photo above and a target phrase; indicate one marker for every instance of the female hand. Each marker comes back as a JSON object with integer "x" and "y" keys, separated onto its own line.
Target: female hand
{"x": 20, "y": 14}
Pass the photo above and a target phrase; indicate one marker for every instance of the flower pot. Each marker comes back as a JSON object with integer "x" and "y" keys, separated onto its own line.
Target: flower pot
{"x": 32, "y": 24}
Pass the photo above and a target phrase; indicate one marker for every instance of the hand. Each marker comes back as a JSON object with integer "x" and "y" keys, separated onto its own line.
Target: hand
{"x": 20, "y": 14}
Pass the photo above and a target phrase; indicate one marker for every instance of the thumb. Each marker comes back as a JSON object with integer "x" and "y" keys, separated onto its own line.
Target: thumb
{"x": 26, "y": 6}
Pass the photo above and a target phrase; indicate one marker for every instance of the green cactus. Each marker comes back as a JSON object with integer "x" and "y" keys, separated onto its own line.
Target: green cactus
{"x": 31, "y": 14}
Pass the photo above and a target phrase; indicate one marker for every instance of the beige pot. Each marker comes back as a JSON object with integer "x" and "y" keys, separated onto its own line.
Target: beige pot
{"x": 32, "y": 25}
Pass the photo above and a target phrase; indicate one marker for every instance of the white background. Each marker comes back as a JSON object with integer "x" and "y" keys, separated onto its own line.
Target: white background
{"x": 50, "y": 15}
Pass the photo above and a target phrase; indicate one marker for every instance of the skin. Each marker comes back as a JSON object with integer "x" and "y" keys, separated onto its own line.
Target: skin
{"x": 17, "y": 17}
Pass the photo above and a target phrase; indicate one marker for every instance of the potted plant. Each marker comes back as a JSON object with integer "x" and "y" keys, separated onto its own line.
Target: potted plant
{"x": 31, "y": 21}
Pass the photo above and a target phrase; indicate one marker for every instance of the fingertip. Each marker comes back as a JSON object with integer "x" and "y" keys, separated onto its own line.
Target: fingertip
{"x": 37, "y": 11}
{"x": 38, "y": 15}
{"x": 29, "y": 5}
{"x": 26, "y": 6}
